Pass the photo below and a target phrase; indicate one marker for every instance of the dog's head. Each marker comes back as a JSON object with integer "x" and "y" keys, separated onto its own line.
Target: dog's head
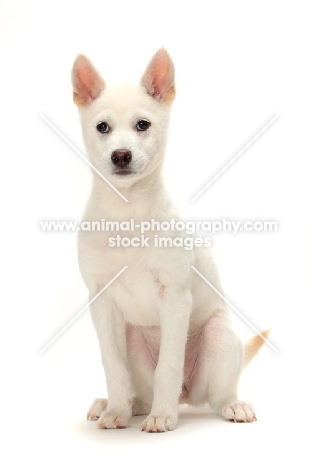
{"x": 125, "y": 127}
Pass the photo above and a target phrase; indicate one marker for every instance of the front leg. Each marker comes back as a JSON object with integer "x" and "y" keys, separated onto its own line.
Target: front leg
{"x": 111, "y": 331}
{"x": 168, "y": 376}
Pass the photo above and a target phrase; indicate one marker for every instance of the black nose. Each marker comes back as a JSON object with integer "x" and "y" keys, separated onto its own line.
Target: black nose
{"x": 121, "y": 157}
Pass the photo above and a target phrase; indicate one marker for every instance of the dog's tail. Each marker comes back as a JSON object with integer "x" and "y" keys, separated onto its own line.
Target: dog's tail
{"x": 253, "y": 346}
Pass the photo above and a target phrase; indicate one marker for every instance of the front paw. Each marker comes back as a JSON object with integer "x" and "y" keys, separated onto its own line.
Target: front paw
{"x": 159, "y": 423}
{"x": 113, "y": 420}
{"x": 239, "y": 411}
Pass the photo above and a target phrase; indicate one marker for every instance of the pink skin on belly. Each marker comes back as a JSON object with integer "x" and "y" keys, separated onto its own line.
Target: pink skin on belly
{"x": 143, "y": 345}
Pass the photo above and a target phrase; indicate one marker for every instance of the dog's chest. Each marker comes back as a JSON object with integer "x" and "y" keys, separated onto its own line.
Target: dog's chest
{"x": 139, "y": 295}
{"x": 139, "y": 291}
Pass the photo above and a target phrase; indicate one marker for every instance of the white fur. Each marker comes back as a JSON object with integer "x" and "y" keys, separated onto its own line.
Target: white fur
{"x": 158, "y": 298}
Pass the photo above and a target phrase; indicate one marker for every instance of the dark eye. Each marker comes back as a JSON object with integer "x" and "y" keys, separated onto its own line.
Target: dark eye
{"x": 103, "y": 127}
{"x": 143, "y": 125}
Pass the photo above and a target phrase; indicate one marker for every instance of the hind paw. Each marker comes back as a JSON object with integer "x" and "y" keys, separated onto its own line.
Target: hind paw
{"x": 96, "y": 409}
{"x": 239, "y": 411}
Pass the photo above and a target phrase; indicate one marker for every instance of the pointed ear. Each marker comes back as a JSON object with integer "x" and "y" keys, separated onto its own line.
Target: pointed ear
{"x": 87, "y": 82}
{"x": 158, "y": 78}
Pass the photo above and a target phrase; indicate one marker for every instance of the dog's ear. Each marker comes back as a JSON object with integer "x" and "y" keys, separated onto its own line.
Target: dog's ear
{"x": 87, "y": 82}
{"x": 158, "y": 78}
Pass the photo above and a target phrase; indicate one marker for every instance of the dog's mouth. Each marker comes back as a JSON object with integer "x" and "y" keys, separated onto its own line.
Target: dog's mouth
{"x": 123, "y": 172}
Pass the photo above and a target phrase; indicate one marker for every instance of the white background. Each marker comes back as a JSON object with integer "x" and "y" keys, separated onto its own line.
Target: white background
{"x": 237, "y": 65}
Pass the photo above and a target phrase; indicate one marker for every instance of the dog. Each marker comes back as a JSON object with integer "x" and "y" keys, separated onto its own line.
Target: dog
{"x": 165, "y": 336}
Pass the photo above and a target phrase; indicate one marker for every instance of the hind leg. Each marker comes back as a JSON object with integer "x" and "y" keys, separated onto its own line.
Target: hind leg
{"x": 218, "y": 369}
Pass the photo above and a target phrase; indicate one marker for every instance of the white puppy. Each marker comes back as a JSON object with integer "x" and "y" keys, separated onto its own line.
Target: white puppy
{"x": 164, "y": 334}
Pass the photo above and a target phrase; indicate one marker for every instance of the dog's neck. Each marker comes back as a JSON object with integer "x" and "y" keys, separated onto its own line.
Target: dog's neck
{"x": 147, "y": 198}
